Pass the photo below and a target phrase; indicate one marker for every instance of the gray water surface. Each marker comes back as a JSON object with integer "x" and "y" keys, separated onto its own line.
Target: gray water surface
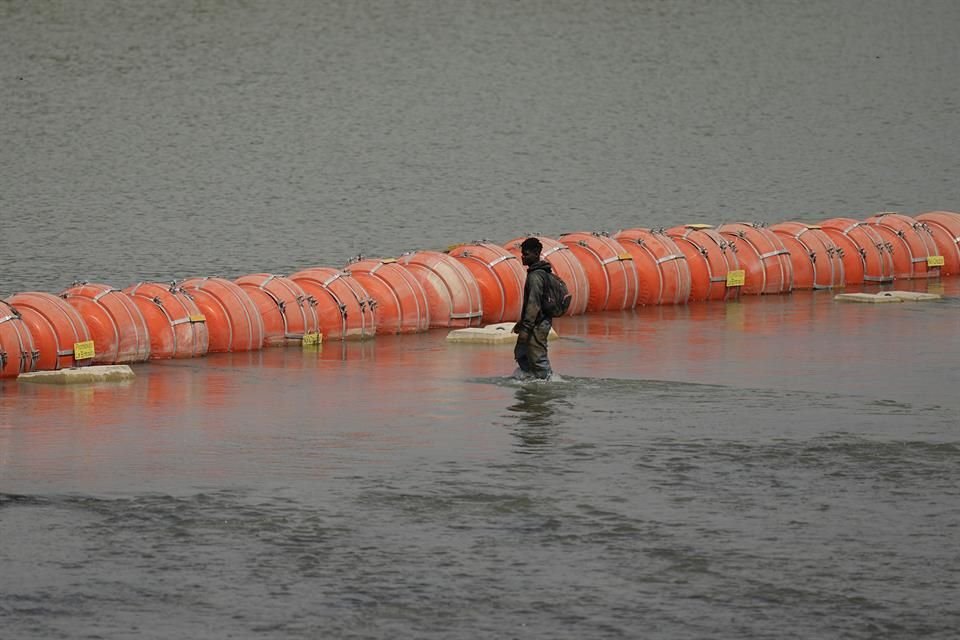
{"x": 161, "y": 140}
{"x": 781, "y": 467}
{"x": 740, "y": 483}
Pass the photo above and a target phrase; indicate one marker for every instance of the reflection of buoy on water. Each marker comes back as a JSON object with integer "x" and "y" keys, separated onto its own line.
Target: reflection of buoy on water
{"x": 500, "y": 277}
{"x": 401, "y": 304}
{"x": 18, "y": 354}
{"x": 452, "y": 293}
{"x": 117, "y": 327}
{"x": 59, "y": 333}
{"x": 565, "y": 265}
{"x": 662, "y": 272}
{"x": 711, "y": 259}
{"x": 176, "y": 326}
{"x": 609, "y": 268}
{"x": 285, "y": 309}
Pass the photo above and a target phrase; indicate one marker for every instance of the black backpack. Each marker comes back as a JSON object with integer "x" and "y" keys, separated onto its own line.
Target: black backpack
{"x": 556, "y": 297}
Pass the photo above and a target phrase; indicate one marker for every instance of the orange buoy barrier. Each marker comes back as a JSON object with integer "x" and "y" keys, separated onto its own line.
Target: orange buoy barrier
{"x": 500, "y": 276}
{"x": 233, "y": 321}
{"x": 866, "y": 256}
{"x": 609, "y": 268}
{"x": 288, "y": 313}
{"x": 18, "y": 354}
{"x": 59, "y": 333}
{"x": 117, "y": 327}
{"x": 944, "y": 226}
{"x": 914, "y": 250}
{"x": 711, "y": 259}
{"x": 817, "y": 263}
{"x": 176, "y": 326}
{"x": 566, "y": 266}
{"x": 764, "y": 259}
{"x": 453, "y": 295}
{"x": 662, "y": 271}
{"x": 344, "y": 308}
{"x": 401, "y": 303}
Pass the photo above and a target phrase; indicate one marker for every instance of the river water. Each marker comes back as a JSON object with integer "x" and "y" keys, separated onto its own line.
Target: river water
{"x": 779, "y": 467}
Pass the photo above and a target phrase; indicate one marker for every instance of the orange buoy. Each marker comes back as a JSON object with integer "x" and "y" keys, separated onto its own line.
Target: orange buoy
{"x": 453, "y": 295}
{"x": 288, "y": 313}
{"x": 566, "y": 266}
{"x": 762, "y": 256}
{"x": 401, "y": 303}
{"x": 18, "y": 354}
{"x": 816, "y": 260}
{"x": 233, "y": 321}
{"x": 710, "y": 259}
{"x": 944, "y": 226}
{"x": 865, "y": 255}
{"x": 59, "y": 333}
{"x": 344, "y": 308}
{"x": 176, "y": 326}
{"x": 662, "y": 271}
{"x": 118, "y": 328}
{"x": 500, "y": 276}
{"x": 913, "y": 245}
{"x": 609, "y": 268}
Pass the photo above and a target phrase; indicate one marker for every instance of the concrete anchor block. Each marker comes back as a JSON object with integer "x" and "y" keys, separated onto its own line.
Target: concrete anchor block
{"x": 80, "y": 375}
{"x": 500, "y": 333}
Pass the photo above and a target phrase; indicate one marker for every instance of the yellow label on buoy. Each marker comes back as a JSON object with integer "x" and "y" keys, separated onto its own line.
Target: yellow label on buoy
{"x": 625, "y": 256}
{"x": 387, "y": 260}
{"x": 197, "y": 317}
{"x": 698, "y": 226}
{"x": 83, "y": 350}
{"x": 311, "y": 339}
{"x": 934, "y": 261}
{"x": 736, "y": 278}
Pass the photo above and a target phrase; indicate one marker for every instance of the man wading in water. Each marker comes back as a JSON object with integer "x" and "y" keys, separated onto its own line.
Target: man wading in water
{"x": 534, "y": 326}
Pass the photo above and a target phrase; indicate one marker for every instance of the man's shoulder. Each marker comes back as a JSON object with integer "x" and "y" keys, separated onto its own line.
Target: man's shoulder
{"x": 538, "y": 274}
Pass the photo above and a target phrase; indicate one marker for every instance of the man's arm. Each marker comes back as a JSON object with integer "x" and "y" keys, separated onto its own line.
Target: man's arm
{"x": 532, "y": 309}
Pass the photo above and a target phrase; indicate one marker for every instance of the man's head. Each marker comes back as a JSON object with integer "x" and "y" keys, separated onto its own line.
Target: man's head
{"x": 530, "y": 251}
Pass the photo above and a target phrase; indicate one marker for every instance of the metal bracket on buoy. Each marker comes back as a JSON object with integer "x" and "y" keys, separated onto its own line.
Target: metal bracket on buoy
{"x": 501, "y": 259}
{"x": 672, "y": 256}
{"x": 771, "y": 254}
{"x": 553, "y": 250}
